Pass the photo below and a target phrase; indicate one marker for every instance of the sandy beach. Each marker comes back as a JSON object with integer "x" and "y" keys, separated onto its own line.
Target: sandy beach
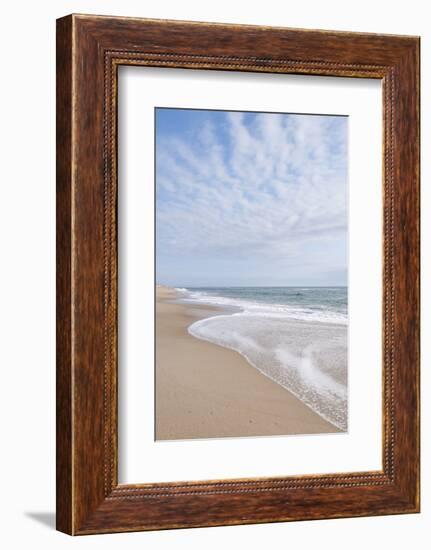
{"x": 204, "y": 390}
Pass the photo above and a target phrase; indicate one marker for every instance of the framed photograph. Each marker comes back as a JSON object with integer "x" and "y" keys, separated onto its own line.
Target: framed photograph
{"x": 237, "y": 274}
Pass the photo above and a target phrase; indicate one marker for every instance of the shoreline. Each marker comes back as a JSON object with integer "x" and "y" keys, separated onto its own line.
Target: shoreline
{"x": 205, "y": 390}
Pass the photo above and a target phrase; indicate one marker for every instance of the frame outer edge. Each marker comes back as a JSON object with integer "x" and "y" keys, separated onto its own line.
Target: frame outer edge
{"x": 81, "y": 507}
{"x": 407, "y": 280}
{"x": 64, "y": 367}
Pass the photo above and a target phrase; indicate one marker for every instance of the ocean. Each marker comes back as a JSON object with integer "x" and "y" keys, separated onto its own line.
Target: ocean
{"x": 297, "y": 336}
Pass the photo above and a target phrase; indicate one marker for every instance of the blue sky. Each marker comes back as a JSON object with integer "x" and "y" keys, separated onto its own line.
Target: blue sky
{"x": 250, "y": 199}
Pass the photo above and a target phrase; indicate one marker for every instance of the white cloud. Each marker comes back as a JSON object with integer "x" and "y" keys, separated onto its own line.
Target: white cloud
{"x": 256, "y": 188}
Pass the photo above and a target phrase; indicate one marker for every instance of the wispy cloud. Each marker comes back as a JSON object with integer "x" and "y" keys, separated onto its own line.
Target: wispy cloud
{"x": 246, "y": 198}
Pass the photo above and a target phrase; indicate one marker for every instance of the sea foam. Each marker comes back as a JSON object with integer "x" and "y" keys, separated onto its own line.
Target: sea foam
{"x": 307, "y": 358}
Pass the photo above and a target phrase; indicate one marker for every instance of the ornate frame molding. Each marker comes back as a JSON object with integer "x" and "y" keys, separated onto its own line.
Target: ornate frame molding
{"x": 90, "y": 49}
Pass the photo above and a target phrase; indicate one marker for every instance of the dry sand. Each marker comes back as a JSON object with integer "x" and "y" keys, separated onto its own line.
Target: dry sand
{"x": 204, "y": 390}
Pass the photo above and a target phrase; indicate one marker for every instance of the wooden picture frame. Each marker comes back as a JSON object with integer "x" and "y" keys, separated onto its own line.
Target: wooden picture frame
{"x": 89, "y": 51}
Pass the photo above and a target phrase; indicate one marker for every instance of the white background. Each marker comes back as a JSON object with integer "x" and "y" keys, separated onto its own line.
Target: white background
{"x": 143, "y": 460}
{"x": 27, "y": 122}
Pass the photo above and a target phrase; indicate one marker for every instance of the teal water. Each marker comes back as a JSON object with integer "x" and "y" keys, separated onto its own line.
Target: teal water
{"x": 326, "y": 304}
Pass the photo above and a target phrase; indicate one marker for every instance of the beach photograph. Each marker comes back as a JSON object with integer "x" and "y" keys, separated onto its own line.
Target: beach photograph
{"x": 251, "y": 309}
